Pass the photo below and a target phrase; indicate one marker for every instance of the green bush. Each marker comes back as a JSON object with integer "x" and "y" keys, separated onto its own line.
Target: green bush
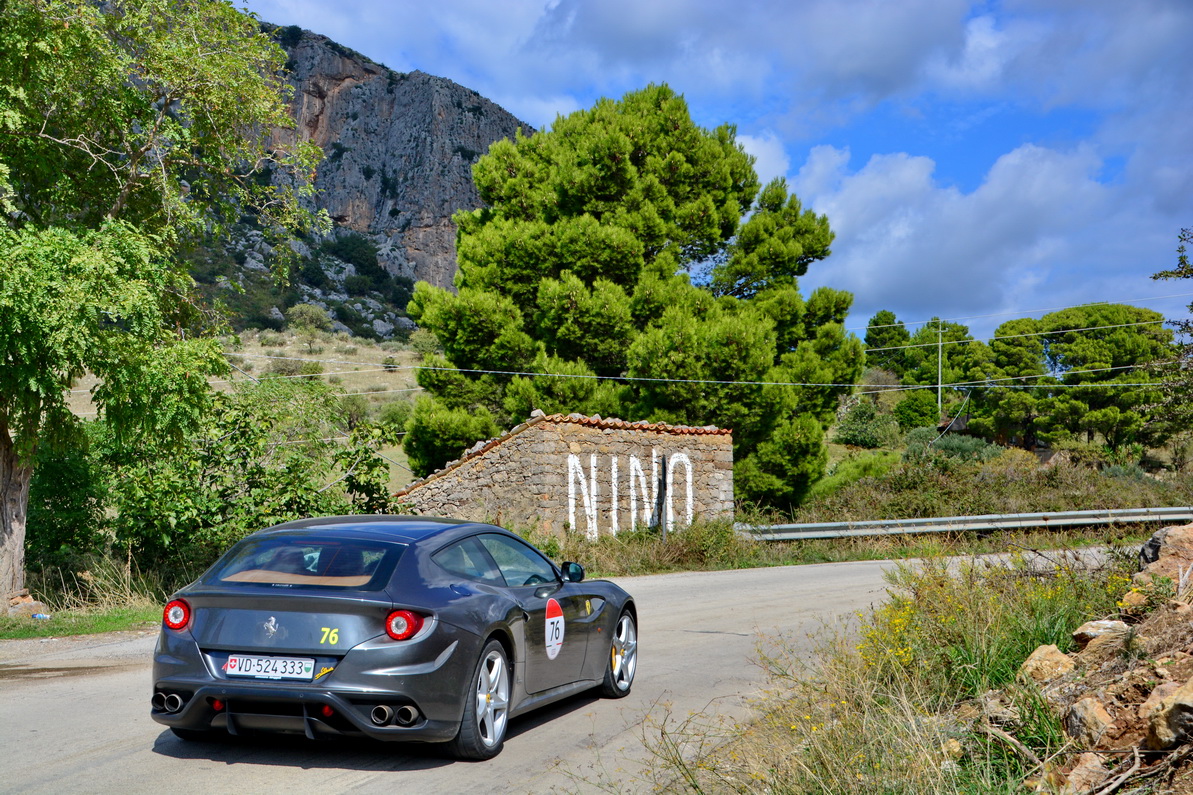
{"x": 966, "y": 448}
{"x": 355, "y": 249}
{"x": 179, "y": 507}
{"x": 395, "y": 414}
{"x": 864, "y": 426}
{"x": 1128, "y": 471}
{"x": 284, "y": 367}
{"x": 917, "y": 410}
{"x": 923, "y": 442}
{"x": 401, "y": 291}
{"x": 358, "y": 285}
{"x": 312, "y": 273}
{"x": 355, "y": 409}
{"x": 424, "y": 342}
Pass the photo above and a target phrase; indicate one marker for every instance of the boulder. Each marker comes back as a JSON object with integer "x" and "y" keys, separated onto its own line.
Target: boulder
{"x": 1046, "y": 664}
{"x": 1170, "y": 723}
{"x": 1158, "y": 694}
{"x": 1087, "y": 773}
{"x": 28, "y": 609}
{"x": 1095, "y": 629}
{"x": 1086, "y": 721}
{"x": 1168, "y": 553}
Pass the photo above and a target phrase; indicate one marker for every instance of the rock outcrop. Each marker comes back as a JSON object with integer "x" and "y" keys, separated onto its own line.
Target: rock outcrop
{"x": 398, "y": 150}
{"x": 1125, "y": 697}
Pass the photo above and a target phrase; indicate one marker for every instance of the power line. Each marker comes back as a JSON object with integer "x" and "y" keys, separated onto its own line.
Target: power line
{"x": 1021, "y": 312}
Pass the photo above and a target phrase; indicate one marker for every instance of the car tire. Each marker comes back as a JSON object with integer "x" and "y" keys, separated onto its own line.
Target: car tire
{"x": 486, "y": 706}
{"x": 623, "y": 658}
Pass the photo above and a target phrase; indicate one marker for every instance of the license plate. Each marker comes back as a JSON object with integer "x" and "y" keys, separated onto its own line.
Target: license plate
{"x": 270, "y": 667}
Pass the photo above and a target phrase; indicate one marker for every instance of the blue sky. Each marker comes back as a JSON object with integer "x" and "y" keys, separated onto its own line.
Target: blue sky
{"x": 977, "y": 159}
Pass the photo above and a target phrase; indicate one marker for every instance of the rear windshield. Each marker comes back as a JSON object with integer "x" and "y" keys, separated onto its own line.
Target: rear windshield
{"x": 306, "y": 562}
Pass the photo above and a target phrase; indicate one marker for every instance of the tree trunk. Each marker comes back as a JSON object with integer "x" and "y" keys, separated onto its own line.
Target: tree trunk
{"x": 14, "y": 505}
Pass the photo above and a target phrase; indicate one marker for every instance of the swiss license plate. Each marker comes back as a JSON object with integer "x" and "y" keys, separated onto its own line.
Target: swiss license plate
{"x": 269, "y": 667}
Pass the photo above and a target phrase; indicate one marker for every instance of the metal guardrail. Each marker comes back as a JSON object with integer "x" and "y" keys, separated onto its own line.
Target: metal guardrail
{"x": 947, "y": 524}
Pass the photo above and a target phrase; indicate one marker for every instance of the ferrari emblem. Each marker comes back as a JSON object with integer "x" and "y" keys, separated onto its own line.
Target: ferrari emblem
{"x": 271, "y": 627}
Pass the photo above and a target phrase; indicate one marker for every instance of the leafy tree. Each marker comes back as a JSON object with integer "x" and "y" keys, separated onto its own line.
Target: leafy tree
{"x": 308, "y": 321}
{"x": 125, "y": 129}
{"x": 1175, "y": 408}
{"x": 1103, "y": 355}
{"x": 1007, "y": 407}
{"x": 578, "y": 269}
{"x": 778, "y": 243}
{"x": 67, "y": 498}
{"x": 155, "y": 112}
{"x": 944, "y": 352}
{"x": 886, "y": 340}
{"x": 437, "y": 434}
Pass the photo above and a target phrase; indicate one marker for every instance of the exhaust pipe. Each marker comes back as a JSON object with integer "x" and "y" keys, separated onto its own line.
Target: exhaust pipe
{"x": 158, "y": 702}
{"x": 173, "y": 702}
{"x": 381, "y": 714}
{"x": 406, "y": 715}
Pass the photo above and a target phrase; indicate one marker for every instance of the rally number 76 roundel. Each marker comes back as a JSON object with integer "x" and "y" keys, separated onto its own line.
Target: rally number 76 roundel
{"x": 554, "y": 629}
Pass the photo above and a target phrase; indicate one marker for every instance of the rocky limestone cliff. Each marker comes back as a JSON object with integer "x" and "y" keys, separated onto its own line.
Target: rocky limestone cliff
{"x": 398, "y": 150}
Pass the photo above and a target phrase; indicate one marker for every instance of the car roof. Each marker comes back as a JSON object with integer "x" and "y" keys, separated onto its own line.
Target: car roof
{"x": 374, "y": 526}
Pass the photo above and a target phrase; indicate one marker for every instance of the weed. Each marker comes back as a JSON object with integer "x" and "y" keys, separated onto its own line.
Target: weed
{"x": 879, "y": 705}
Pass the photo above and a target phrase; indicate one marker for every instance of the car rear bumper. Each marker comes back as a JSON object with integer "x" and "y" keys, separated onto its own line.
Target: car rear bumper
{"x": 192, "y": 691}
{"x": 242, "y": 708}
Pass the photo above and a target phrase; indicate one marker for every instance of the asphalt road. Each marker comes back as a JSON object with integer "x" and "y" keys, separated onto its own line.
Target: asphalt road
{"x": 74, "y": 712}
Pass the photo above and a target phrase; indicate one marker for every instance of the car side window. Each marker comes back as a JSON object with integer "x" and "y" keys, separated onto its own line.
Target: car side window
{"x": 467, "y": 559}
{"x": 520, "y": 564}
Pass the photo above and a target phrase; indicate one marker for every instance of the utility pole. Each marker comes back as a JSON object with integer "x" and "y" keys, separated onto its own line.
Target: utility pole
{"x": 939, "y": 368}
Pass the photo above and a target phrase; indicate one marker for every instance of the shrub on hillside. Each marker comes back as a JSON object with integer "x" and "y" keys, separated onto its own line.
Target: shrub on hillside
{"x": 852, "y": 469}
{"x": 923, "y": 442}
{"x": 358, "y": 285}
{"x": 395, "y": 414}
{"x": 864, "y": 426}
{"x": 917, "y": 410}
{"x": 355, "y": 249}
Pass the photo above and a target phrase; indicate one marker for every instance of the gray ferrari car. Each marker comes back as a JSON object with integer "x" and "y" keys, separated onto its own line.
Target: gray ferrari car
{"x": 396, "y": 628}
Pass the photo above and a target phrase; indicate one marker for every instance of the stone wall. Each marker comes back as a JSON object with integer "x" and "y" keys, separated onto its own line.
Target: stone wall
{"x": 591, "y": 474}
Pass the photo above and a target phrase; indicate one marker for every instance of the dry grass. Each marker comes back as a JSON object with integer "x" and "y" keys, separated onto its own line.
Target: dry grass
{"x": 99, "y": 582}
{"x": 895, "y": 702}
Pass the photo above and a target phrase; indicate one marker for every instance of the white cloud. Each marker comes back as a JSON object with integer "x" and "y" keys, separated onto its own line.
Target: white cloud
{"x": 770, "y": 155}
{"x": 979, "y": 64}
{"x": 1040, "y": 231}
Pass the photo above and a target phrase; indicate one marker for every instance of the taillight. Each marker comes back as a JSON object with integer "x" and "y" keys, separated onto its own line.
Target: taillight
{"x": 403, "y": 624}
{"x": 177, "y": 614}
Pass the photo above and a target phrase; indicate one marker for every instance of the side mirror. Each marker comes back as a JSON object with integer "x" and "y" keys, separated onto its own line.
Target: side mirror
{"x": 572, "y": 572}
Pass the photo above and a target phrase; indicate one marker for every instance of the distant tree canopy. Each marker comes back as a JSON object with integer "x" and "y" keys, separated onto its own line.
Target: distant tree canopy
{"x": 577, "y": 272}
{"x": 1080, "y": 373}
{"x": 1176, "y": 406}
{"x": 126, "y": 128}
